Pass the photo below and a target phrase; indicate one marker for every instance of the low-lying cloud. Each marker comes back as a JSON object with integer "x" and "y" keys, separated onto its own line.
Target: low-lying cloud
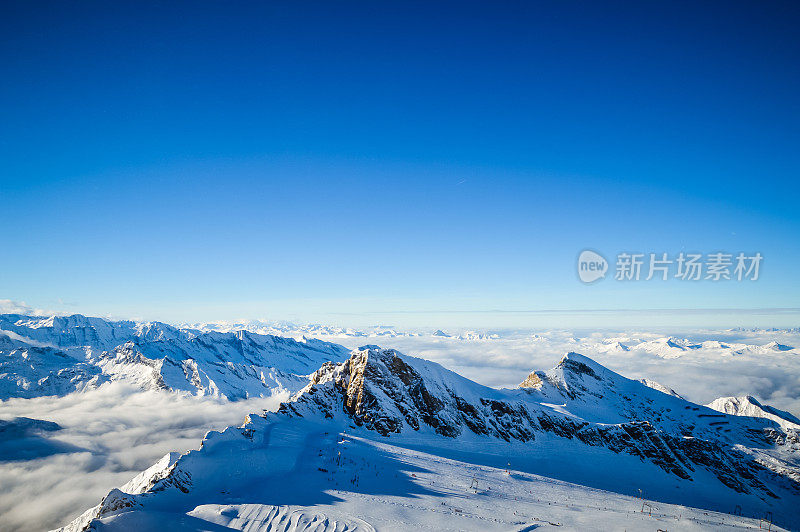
{"x": 9, "y": 306}
{"x": 119, "y": 430}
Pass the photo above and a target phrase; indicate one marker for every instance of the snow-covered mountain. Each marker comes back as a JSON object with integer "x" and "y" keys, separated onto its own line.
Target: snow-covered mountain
{"x": 289, "y": 329}
{"x": 670, "y": 347}
{"x": 58, "y": 355}
{"x": 662, "y": 346}
{"x": 381, "y": 440}
{"x": 749, "y": 406}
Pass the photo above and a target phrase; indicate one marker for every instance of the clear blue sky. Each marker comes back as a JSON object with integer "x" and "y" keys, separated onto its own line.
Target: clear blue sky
{"x": 336, "y": 161}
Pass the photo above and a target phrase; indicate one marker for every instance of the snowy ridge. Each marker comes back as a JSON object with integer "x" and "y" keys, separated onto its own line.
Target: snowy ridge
{"x": 660, "y": 387}
{"x": 750, "y": 407}
{"x": 575, "y": 422}
{"x": 315, "y": 330}
{"x": 388, "y": 394}
{"x": 284, "y": 328}
{"x": 58, "y": 355}
{"x": 662, "y": 346}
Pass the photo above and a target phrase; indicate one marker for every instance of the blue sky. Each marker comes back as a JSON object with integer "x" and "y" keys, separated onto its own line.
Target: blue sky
{"x": 416, "y": 162}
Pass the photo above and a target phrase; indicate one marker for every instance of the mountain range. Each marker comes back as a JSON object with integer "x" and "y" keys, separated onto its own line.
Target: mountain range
{"x": 373, "y": 439}
{"x": 58, "y": 355}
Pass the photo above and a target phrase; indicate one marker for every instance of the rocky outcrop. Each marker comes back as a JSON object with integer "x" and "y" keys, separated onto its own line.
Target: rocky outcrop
{"x": 384, "y": 392}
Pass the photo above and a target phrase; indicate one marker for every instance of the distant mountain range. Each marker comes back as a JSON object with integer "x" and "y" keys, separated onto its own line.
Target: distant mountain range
{"x": 337, "y": 454}
{"x": 61, "y": 354}
{"x": 58, "y": 355}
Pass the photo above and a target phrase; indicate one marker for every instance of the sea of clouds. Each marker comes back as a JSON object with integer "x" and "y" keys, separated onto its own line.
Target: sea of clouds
{"x": 110, "y": 434}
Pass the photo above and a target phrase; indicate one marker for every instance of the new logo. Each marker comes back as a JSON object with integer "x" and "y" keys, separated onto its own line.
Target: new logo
{"x": 591, "y": 266}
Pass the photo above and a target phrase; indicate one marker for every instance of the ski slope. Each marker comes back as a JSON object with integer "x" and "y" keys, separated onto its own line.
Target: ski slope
{"x": 339, "y": 481}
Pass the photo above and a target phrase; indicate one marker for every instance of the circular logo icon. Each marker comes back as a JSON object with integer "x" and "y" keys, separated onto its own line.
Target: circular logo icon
{"x": 591, "y": 266}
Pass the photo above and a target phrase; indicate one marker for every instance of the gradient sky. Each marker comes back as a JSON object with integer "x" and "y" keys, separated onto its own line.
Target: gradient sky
{"x": 417, "y": 162}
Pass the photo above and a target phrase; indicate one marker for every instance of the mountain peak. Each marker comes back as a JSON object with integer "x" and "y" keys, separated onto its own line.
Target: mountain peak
{"x": 581, "y": 364}
{"x": 749, "y": 406}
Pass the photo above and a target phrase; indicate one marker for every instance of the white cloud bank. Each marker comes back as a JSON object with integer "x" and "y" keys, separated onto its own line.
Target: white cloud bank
{"x": 9, "y": 306}
{"x": 121, "y": 432}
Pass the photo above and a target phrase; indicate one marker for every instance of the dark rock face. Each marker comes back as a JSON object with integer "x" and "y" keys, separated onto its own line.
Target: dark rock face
{"x": 362, "y": 383}
{"x": 380, "y": 391}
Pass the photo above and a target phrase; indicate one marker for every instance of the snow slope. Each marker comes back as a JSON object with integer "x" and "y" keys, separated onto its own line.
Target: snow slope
{"x": 383, "y": 441}
{"x": 300, "y": 480}
{"x": 749, "y": 406}
{"x": 59, "y": 355}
